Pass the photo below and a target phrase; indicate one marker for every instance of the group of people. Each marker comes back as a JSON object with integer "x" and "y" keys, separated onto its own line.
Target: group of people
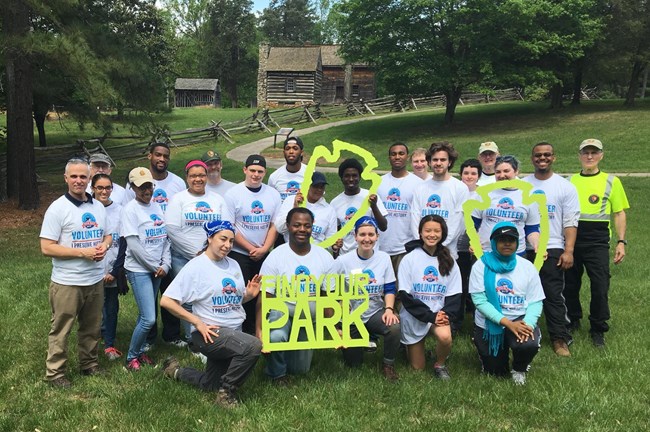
{"x": 204, "y": 243}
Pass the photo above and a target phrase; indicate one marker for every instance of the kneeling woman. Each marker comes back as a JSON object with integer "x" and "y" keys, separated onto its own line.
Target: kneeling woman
{"x": 430, "y": 290}
{"x": 380, "y": 317}
{"x": 212, "y": 283}
{"x": 507, "y": 293}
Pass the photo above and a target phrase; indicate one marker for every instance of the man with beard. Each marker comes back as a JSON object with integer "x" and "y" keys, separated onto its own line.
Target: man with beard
{"x": 396, "y": 191}
{"x": 563, "y": 214}
{"x": 288, "y": 178}
{"x": 216, "y": 183}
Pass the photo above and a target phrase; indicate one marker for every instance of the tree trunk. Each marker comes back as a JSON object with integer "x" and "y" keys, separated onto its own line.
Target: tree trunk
{"x": 645, "y": 81}
{"x": 556, "y": 96}
{"x": 21, "y": 167}
{"x": 577, "y": 82}
{"x": 453, "y": 96}
{"x": 633, "y": 86}
{"x": 40, "y": 113}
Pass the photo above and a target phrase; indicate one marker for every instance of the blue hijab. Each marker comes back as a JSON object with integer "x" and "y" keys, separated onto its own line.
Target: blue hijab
{"x": 496, "y": 263}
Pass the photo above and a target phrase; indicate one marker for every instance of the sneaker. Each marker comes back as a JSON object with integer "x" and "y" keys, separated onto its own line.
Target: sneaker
{"x": 519, "y": 378}
{"x": 171, "y": 367}
{"x": 133, "y": 365}
{"x": 573, "y": 326}
{"x": 147, "y": 347}
{"x": 441, "y": 372}
{"x": 389, "y": 373}
{"x": 145, "y": 360}
{"x": 201, "y": 357}
{"x": 93, "y": 371}
{"x": 226, "y": 399}
{"x": 61, "y": 382}
{"x": 283, "y": 381}
{"x": 598, "y": 339}
{"x": 561, "y": 348}
{"x": 112, "y": 353}
{"x": 372, "y": 346}
{"x": 180, "y": 343}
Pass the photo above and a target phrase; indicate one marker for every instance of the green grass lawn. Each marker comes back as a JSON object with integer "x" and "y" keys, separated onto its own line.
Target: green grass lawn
{"x": 599, "y": 390}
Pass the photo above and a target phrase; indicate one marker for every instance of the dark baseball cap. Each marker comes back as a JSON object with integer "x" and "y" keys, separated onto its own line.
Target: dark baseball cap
{"x": 210, "y": 156}
{"x": 296, "y": 139}
{"x": 318, "y": 178}
{"x": 504, "y": 231}
{"x": 101, "y": 158}
{"x": 255, "y": 160}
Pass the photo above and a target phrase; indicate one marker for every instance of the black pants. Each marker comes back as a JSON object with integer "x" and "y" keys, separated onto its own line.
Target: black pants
{"x": 231, "y": 358}
{"x": 465, "y": 262}
{"x": 354, "y": 356}
{"x": 595, "y": 259}
{"x": 522, "y": 353}
{"x": 249, "y": 268}
{"x": 555, "y": 309}
{"x": 171, "y": 326}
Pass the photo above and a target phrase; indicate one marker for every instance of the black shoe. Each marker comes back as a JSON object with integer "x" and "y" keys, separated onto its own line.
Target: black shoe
{"x": 573, "y": 326}
{"x": 93, "y": 371}
{"x": 598, "y": 339}
{"x": 61, "y": 382}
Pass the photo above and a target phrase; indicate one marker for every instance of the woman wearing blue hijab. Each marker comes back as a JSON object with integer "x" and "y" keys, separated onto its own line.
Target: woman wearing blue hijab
{"x": 508, "y": 295}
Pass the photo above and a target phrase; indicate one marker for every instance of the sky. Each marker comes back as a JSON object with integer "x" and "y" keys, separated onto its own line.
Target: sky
{"x": 259, "y": 5}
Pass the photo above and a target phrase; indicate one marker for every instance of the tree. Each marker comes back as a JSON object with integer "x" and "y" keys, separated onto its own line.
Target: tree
{"x": 21, "y": 174}
{"x": 229, "y": 46}
{"x": 289, "y": 22}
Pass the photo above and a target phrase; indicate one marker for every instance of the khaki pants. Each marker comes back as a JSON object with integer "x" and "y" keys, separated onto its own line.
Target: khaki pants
{"x": 67, "y": 303}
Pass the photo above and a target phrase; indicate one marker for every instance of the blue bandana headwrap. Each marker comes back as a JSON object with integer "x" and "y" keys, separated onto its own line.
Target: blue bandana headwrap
{"x": 496, "y": 263}
{"x": 214, "y": 226}
{"x": 366, "y": 220}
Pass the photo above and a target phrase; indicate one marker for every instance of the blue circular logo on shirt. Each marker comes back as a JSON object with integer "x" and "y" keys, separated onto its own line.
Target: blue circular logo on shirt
{"x": 539, "y": 192}
{"x": 302, "y": 270}
{"x": 203, "y": 207}
{"x": 393, "y": 195}
{"x": 430, "y": 274}
{"x": 371, "y": 276}
{"x": 506, "y": 203}
{"x": 159, "y": 196}
{"x": 349, "y": 213}
{"x": 293, "y": 187}
{"x": 229, "y": 286}
{"x": 257, "y": 207}
{"x": 157, "y": 221}
{"x": 88, "y": 221}
{"x": 434, "y": 201}
{"x": 504, "y": 286}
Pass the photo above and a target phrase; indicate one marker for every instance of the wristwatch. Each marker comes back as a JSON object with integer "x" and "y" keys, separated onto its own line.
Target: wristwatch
{"x": 623, "y": 241}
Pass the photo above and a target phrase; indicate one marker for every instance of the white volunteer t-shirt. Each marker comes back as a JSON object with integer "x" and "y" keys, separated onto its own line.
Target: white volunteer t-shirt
{"x": 324, "y": 225}
{"x": 286, "y": 183}
{"x": 75, "y": 227}
{"x": 220, "y": 189}
{"x": 113, "y": 214}
{"x": 506, "y": 205}
{"x": 516, "y": 290}
{"x": 163, "y": 190}
{"x": 486, "y": 179}
{"x": 379, "y": 270}
{"x": 215, "y": 289}
{"x": 346, "y": 206}
{"x": 397, "y": 196}
{"x": 419, "y": 276}
{"x": 188, "y": 213}
{"x": 562, "y": 203}
{"x": 444, "y": 198}
{"x": 283, "y": 261}
{"x": 145, "y": 221}
{"x": 252, "y": 212}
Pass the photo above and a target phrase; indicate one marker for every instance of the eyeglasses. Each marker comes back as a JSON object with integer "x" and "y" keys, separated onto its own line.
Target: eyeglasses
{"x": 546, "y": 155}
{"x": 197, "y": 176}
{"x": 103, "y": 188}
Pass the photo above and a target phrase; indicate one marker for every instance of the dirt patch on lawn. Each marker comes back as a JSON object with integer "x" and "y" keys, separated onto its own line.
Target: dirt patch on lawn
{"x": 13, "y": 217}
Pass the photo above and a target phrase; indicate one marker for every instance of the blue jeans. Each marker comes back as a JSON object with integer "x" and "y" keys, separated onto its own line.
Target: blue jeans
{"x": 281, "y": 363}
{"x": 178, "y": 262}
{"x": 109, "y": 316}
{"x": 145, "y": 290}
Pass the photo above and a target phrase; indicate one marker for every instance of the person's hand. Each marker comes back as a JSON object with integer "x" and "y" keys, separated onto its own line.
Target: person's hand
{"x": 257, "y": 254}
{"x": 253, "y": 287}
{"x": 100, "y": 252}
{"x": 619, "y": 254}
{"x": 108, "y": 278}
{"x": 565, "y": 262}
{"x": 389, "y": 318}
{"x": 207, "y": 331}
{"x": 88, "y": 253}
{"x": 372, "y": 199}
{"x": 336, "y": 247}
{"x": 298, "y": 200}
{"x": 160, "y": 273}
{"x": 441, "y": 319}
{"x": 521, "y": 330}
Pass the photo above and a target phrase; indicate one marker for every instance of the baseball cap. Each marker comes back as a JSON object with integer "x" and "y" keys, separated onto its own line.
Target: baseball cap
{"x": 255, "y": 160}
{"x": 296, "y": 139}
{"x": 101, "y": 158}
{"x": 591, "y": 142}
{"x": 210, "y": 156}
{"x": 504, "y": 230}
{"x": 488, "y": 146}
{"x": 318, "y": 178}
{"x": 139, "y": 176}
